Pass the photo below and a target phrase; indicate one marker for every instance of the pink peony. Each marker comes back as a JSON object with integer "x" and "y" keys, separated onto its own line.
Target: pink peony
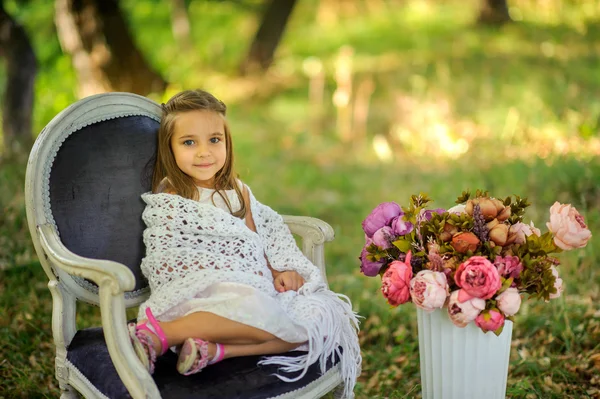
{"x": 395, "y": 282}
{"x": 489, "y": 320}
{"x": 509, "y": 301}
{"x": 429, "y": 290}
{"x": 381, "y": 216}
{"x": 558, "y": 283}
{"x": 463, "y": 312}
{"x": 383, "y": 237}
{"x": 367, "y": 267}
{"x": 568, "y": 227}
{"x": 508, "y": 266}
{"x": 478, "y": 277}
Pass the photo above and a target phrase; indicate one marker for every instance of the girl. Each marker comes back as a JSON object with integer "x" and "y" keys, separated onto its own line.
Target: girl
{"x": 225, "y": 274}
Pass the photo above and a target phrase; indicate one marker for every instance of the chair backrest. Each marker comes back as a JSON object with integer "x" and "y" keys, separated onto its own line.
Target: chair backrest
{"x": 96, "y": 181}
{"x": 97, "y": 159}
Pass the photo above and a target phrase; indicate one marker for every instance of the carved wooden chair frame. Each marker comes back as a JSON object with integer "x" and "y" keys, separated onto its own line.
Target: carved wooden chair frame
{"x": 109, "y": 284}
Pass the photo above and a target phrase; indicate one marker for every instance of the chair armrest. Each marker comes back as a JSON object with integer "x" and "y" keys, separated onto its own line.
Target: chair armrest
{"x": 101, "y": 272}
{"x": 308, "y": 227}
{"x": 314, "y": 233}
{"x": 113, "y": 279}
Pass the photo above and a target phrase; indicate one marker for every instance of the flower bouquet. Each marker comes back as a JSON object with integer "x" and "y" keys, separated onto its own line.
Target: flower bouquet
{"x": 476, "y": 258}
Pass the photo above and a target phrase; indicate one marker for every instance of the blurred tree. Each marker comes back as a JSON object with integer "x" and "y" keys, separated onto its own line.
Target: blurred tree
{"x": 265, "y": 42}
{"x": 494, "y": 12}
{"x": 21, "y": 67}
{"x": 181, "y": 23}
{"x": 95, "y": 34}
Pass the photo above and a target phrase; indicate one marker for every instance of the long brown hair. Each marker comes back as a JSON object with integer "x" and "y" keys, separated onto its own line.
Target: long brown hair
{"x": 167, "y": 175}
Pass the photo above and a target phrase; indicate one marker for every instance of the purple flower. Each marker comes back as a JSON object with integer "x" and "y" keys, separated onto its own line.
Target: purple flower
{"x": 401, "y": 227}
{"x": 367, "y": 267}
{"x": 428, "y": 214}
{"x": 381, "y": 216}
{"x": 383, "y": 237}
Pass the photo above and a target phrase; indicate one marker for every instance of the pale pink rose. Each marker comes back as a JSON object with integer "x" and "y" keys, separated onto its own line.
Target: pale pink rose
{"x": 509, "y": 301}
{"x": 462, "y": 313}
{"x": 489, "y": 320}
{"x": 558, "y": 283}
{"x": 568, "y": 227}
{"x": 516, "y": 233}
{"x": 530, "y": 229}
{"x": 508, "y": 266}
{"x": 383, "y": 237}
{"x": 395, "y": 283}
{"x": 457, "y": 209}
{"x": 429, "y": 290}
{"x": 478, "y": 277}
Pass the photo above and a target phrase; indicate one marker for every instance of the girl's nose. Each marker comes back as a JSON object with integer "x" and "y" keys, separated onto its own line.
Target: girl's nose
{"x": 202, "y": 150}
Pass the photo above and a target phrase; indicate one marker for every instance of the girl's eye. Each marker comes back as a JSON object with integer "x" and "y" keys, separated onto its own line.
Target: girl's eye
{"x": 215, "y": 140}
{"x": 188, "y": 142}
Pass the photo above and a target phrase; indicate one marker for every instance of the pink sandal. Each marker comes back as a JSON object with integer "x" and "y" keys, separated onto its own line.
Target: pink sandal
{"x": 193, "y": 356}
{"x": 143, "y": 343}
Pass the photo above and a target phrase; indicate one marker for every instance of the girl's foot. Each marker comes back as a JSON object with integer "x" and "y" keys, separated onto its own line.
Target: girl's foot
{"x": 144, "y": 347}
{"x": 195, "y": 353}
{"x": 148, "y": 341}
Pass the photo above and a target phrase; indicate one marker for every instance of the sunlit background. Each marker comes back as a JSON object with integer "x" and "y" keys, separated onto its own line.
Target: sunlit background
{"x": 364, "y": 101}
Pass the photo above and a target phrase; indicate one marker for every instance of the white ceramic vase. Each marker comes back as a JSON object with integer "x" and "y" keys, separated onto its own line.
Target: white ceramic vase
{"x": 461, "y": 363}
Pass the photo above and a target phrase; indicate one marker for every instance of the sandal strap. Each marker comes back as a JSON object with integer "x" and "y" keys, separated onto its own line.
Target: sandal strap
{"x": 159, "y": 331}
{"x": 219, "y": 354}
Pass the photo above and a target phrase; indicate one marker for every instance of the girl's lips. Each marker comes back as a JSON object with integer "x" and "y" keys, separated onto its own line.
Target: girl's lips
{"x": 204, "y": 165}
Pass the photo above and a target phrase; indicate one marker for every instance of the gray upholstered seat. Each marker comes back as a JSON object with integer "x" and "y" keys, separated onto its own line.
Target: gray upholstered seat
{"x": 85, "y": 176}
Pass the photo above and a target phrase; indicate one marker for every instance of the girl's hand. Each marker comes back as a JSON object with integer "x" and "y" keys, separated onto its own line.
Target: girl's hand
{"x": 288, "y": 280}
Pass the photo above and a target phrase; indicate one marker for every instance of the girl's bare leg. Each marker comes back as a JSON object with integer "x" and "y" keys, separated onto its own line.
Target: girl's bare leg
{"x": 239, "y": 339}
{"x": 266, "y": 348}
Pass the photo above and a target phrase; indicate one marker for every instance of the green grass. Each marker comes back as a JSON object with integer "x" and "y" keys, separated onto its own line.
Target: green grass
{"x": 523, "y": 98}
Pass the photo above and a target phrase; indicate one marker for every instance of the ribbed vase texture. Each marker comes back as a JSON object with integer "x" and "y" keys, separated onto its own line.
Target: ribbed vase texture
{"x": 461, "y": 363}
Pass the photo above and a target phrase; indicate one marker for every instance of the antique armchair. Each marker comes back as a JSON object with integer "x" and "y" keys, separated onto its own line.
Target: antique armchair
{"x": 84, "y": 179}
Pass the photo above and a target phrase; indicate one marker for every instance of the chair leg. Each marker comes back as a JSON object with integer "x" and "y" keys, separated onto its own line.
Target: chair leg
{"x": 338, "y": 392}
{"x": 67, "y": 391}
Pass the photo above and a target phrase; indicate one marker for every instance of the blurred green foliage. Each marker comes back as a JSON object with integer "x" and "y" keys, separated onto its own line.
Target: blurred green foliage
{"x": 522, "y": 97}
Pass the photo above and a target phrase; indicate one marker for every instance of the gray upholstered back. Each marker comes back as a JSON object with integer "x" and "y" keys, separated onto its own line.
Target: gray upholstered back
{"x": 96, "y": 181}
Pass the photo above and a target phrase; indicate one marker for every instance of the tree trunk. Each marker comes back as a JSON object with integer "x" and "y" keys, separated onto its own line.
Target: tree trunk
{"x": 268, "y": 36}
{"x": 21, "y": 68}
{"x": 494, "y": 12}
{"x": 180, "y": 22}
{"x": 95, "y": 34}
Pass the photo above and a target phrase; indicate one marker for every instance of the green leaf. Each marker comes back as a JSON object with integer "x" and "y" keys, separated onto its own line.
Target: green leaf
{"x": 499, "y": 330}
{"x": 403, "y": 245}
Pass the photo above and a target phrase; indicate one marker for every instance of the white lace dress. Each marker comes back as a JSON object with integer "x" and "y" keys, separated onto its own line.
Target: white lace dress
{"x": 239, "y": 302}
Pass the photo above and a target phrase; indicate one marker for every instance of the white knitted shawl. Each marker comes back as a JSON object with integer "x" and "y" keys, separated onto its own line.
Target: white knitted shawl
{"x": 191, "y": 245}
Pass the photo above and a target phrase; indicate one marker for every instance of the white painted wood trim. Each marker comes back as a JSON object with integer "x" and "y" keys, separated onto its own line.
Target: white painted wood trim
{"x": 314, "y": 233}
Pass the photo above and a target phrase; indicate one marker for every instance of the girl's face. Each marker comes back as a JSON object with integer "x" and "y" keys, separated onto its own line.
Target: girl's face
{"x": 198, "y": 145}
